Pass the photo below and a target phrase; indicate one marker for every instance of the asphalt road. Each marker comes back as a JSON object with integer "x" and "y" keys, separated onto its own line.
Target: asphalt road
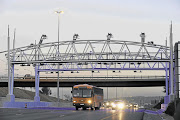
{"x": 69, "y": 114}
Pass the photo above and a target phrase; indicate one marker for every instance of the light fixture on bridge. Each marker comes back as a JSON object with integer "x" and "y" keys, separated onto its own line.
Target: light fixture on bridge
{"x": 138, "y": 63}
{"x": 132, "y": 63}
{"x": 142, "y": 35}
{"x": 99, "y": 62}
{"x": 62, "y": 72}
{"x": 57, "y": 72}
{"x": 72, "y": 72}
{"x": 135, "y": 71}
{"x": 75, "y": 36}
{"x": 79, "y": 64}
{"x": 140, "y": 71}
{"x": 119, "y": 71}
{"x": 118, "y": 63}
{"x": 41, "y": 63}
{"x": 22, "y": 65}
{"x": 42, "y": 38}
{"x": 51, "y": 72}
{"x": 150, "y": 43}
{"x": 92, "y": 71}
{"x": 113, "y": 71}
{"x": 109, "y": 36}
{"x": 25, "y": 65}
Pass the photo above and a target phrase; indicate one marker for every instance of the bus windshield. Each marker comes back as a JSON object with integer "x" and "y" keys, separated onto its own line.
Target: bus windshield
{"x": 82, "y": 92}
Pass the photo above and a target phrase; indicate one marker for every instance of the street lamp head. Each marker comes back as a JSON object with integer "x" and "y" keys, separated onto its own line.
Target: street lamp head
{"x": 59, "y": 12}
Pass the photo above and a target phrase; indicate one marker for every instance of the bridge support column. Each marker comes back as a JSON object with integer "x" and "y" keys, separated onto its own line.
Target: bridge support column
{"x": 37, "y": 98}
{"x": 10, "y": 96}
{"x": 171, "y": 96}
{"x": 166, "y": 98}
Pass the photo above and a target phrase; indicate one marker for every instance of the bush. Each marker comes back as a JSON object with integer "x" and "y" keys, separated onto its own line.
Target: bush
{"x": 171, "y": 108}
{"x": 158, "y": 106}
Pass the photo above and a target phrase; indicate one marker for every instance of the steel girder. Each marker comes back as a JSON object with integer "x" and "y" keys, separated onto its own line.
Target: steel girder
{"x": 92, "y": 55}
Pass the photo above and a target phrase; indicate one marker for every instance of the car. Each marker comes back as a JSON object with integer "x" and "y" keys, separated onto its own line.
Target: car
{"x": 27, "y": 76}
{"x": 118, "y": 104}
{"x": 133, "y": 105}
{"x": 108, "y": 104}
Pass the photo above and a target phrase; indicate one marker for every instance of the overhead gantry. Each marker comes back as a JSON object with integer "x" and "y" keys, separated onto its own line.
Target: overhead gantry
{"x": 91, "y": 55}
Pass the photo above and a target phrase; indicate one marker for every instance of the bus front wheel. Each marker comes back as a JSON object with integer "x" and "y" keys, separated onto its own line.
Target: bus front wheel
{"x": 84, "y": 108}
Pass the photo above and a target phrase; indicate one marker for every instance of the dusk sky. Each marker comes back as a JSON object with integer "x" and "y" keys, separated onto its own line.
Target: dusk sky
{"x": 92, "y": 19}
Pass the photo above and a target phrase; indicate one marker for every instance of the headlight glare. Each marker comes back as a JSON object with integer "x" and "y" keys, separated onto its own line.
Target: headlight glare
{"x": 121, "y": 105}
{"x": 89, "y": 101}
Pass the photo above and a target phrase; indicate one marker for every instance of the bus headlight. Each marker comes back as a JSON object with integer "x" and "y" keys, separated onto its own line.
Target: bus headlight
{"x": 89, "y": 101}
{"x": 74, "y": 101}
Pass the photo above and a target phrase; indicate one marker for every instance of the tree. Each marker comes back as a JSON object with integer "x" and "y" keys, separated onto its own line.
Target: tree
{"x": 46, "y": 91}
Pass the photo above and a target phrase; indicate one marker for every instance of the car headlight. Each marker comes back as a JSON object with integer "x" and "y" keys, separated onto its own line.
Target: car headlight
{"x": 74, "y": 101}
{"x": 89, "y": 101}
{"x": 113, "y": 105}
{"x": 121, "y": 105}
{"x": 107, "y": 103}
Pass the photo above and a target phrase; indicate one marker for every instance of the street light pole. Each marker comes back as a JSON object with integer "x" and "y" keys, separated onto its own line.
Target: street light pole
{"x": 58, "y": 12}
{"x": 9, "y": 75}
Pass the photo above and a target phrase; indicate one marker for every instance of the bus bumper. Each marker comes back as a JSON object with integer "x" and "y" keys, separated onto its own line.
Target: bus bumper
{"x": 82, "y": 104}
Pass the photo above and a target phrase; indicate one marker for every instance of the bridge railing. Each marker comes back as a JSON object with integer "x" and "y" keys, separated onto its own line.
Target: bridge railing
{"x": 83, "y": 78}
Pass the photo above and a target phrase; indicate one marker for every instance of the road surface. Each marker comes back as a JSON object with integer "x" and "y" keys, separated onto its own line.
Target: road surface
{"x": 69, "y": 114}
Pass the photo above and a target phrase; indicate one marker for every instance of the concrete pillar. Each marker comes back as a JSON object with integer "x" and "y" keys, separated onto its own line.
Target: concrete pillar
{"x": 10, "y": 96}
{"x": 171, "y": 67}
{"x": 37, "y": 98}
{"x": 166, "y": 98}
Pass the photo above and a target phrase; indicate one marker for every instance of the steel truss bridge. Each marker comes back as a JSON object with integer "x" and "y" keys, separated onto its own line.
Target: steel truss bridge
{"x": 92, "y": 55}
{"x": 83, "y": 55}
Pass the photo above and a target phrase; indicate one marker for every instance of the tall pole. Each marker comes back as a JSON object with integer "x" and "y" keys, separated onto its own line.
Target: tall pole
{"x": 171, "y": 63}
{"x": 116, "y": 93}
{"x": 58, "y": 12}
{"x": 9, "y": 76}
{"x": 58, "y": 63}
{"x": 166, "y": 73}
{"x": 12, "y": 77}
{"x": 166, "y": 98}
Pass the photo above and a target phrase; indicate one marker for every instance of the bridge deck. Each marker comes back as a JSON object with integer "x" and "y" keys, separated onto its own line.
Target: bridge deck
{"x": 97, "y": 81}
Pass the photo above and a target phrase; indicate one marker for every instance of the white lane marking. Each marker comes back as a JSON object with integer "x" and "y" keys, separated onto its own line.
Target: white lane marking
{"x": 19, "y": 114}
{"x": 61, "y": 116}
